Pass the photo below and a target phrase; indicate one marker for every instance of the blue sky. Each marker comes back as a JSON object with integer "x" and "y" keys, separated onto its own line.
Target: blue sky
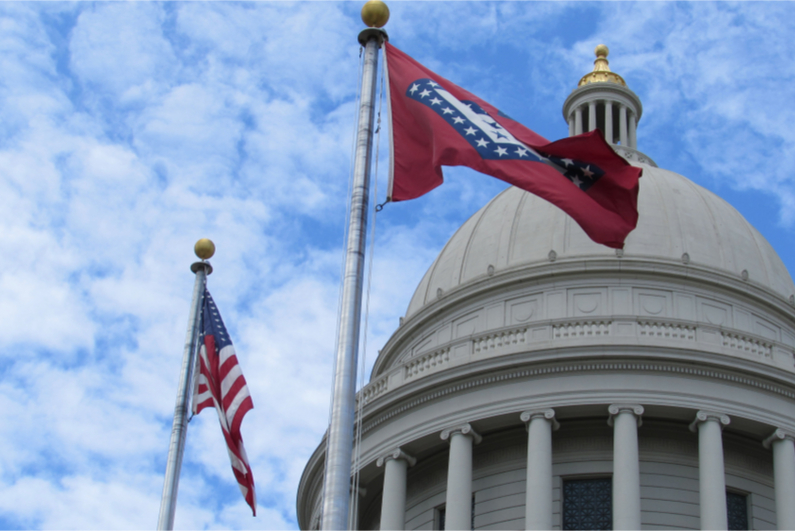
{"x": 130, "y": 130}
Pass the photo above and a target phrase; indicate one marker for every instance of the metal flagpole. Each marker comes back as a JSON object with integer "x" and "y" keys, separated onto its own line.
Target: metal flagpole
{"x": 168, "y": 504}
{"x": 339, "y": 450}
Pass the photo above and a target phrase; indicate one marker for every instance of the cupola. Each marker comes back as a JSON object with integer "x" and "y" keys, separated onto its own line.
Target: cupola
{"x": 603, "y": 101}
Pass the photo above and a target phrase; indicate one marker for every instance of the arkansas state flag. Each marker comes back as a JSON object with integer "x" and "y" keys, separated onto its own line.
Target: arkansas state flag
{"x": 435, "y": 123}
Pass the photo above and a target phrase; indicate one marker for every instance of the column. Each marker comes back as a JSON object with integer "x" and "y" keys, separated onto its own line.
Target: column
{"x": 538, "y": 497}
{"x": 633, "y": 127}
{"x": 578, "y": 121}
{"x": 393, "y": 499}
{"x": 592, "y": 116}
{"x": 784, "y": 476}
{"x": 609, "y": 122}
{"x": 571, "y": 125}
{"x": 711, "y": 476}
{"x": 458, "y": 514}
{"x": 625, "y": 419}
{"x": 622, "y": 124}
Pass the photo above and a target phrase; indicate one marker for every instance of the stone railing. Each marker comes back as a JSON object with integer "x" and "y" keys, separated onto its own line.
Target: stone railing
{"x": 374, "y": 389}
{"x": 658, "y": 329}
{"x": 748, "y": 344}
{"x": 518, "y": 338}
{"x": 500, "y": 339}
{"x": 427, "y": 362}
{"x": 580, "y": 329}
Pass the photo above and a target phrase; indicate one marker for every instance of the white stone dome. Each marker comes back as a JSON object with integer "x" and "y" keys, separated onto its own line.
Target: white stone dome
{"x": 680, "y": 223}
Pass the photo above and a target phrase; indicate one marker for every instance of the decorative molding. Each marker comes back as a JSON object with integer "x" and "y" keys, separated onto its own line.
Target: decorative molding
{"x": 666, "y": 330}
{"x": 689, "y": 278}
{"x": 427, "y": 362}
{"x": 778, "y": 435}
{"x": 397, "y": 453}
{"x": 581, "y": 329}
{"x": 464, "y": 429}
{"x": 493, "y": 341}
{"x": 580, "y": 367}
{"x": 547, "y": 414}
{"x": 748, "y": 344}
{"x": 615, "y": 409}
{"x": 577, "y": 328}
{"x": 703, "y": 416}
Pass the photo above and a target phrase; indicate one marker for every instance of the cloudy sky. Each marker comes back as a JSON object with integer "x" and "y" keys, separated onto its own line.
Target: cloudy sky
{"x": 130, "y": 130}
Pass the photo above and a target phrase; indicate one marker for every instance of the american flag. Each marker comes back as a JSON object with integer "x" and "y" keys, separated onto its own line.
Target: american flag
{"x": 220, "y": 384}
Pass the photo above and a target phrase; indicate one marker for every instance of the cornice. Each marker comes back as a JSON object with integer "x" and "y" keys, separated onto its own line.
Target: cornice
{"x": 421, "y": 392}
{"x": 310, "y": 485}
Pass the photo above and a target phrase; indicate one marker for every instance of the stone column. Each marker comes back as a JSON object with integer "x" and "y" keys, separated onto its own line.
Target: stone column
{"x": 578, "y": 121}
{"x": 458, "y": 513}
{"x": 711, "y": 475}
{"x": 625, "y": 419}
{"x": 633, "y": 126}
{"x": 571, "y": 125}
{"x": 538, "y": 494}
{"x": 784, "y": 476}
{"x": 622, "y": 124}
{"x": 609, "y": 122}
{"x": 592, "y": 116}
{"x": 393, "y": 499}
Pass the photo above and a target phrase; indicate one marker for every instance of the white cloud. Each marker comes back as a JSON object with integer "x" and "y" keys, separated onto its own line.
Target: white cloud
{"x": 130, "y": 130}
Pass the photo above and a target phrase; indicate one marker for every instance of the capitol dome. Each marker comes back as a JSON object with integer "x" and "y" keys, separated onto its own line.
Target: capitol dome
{"x": 542, "y": 381}
{"x": 680, "y": 223}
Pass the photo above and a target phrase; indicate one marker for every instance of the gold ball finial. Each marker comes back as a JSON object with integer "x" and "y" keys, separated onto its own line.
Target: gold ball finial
{"x": 601, "y": 50}
{"x": 204, "y": 249}
{"x": 375, "y": 14}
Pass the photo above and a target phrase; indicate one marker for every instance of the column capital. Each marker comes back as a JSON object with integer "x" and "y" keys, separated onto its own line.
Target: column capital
{"x": 548, "y": 414}
{"x": 464, "y": 429}
{"x": 703, "y": 416}
{"x": 397, "y": 453}
{"x": 615, "y": 409}
{"x": 778, "y": 435}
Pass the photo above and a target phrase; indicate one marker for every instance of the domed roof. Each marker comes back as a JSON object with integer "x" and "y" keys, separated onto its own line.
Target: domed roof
{"x": 601, "y": 70}
{"x": 679, "y": 223}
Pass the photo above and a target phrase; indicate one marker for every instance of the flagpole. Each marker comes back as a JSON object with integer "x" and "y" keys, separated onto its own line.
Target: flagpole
{"x": 339, "y": 449}
{"x": 204, "y": 249}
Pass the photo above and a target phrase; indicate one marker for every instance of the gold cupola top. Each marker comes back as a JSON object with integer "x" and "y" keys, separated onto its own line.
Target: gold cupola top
{"x": 601, "y": 70}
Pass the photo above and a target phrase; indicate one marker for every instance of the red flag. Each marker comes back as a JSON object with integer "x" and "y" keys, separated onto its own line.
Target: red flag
{"x": 435, "y": 123}
{"x": 220, "y": 384}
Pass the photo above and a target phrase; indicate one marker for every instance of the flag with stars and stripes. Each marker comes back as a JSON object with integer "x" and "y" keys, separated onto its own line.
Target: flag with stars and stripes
{"x": 434, "y": 123}
{"x": 220, "y": 384}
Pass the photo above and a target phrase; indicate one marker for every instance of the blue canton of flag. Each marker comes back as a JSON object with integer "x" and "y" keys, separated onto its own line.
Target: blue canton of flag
{"x": 214, "y": 326}
{"x": 489, "y": 138}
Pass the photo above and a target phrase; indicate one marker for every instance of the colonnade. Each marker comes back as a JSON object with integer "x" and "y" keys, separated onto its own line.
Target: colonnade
{"x": 627, "y": 122}
{"x": 625, "y": 420}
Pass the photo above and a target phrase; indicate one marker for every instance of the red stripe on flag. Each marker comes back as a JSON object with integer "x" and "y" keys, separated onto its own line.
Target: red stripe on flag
{"x": 210, "y": 381}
